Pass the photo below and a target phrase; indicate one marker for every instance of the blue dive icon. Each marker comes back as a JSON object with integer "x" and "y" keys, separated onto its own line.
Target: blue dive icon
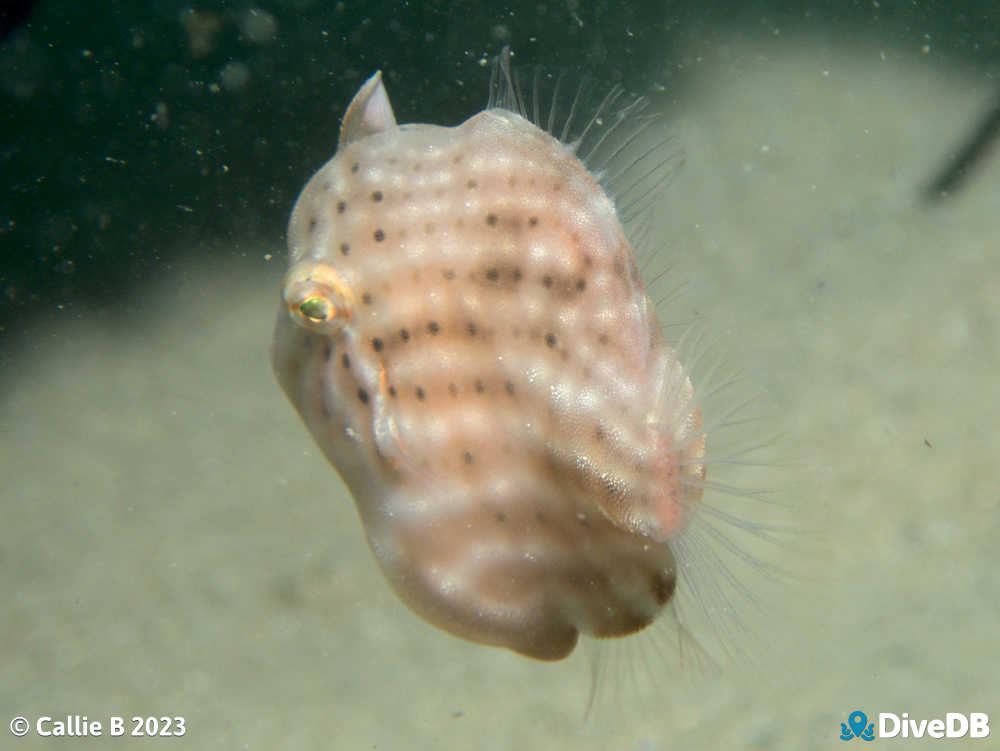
{"x": 859, "y": 727}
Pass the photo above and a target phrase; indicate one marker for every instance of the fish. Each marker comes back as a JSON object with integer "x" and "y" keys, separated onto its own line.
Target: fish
{"x": 465, "y": 332}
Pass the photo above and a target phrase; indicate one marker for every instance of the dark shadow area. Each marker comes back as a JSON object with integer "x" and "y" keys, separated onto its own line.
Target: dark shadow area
{"x": 972, "y": 152}
{"x": 14, "y": 13}
{"x": 137, "y": 135}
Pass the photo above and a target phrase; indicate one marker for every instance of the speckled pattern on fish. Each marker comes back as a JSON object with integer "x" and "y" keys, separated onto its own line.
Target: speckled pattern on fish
{"x": 465, "y": 332}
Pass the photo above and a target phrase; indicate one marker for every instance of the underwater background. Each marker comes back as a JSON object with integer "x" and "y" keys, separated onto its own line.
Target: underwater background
{"x": 171, "y": 541}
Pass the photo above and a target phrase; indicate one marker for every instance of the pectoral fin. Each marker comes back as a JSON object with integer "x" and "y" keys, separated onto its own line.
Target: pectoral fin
{"x": 385, "y": 428}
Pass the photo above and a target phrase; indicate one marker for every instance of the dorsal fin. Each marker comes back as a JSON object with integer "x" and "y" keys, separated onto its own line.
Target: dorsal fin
{"x": 369, "y": 112}
{"x": 629, "y": 151}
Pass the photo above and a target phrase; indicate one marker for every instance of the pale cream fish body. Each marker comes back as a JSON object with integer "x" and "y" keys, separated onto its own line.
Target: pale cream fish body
{"x": 464, "y": 331}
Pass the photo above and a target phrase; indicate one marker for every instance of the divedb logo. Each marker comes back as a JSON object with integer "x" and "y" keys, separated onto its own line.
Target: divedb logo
{"x": 952, "y": 725}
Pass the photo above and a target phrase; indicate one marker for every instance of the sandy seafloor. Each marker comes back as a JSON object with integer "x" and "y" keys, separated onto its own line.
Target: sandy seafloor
{"x": 172, "y": 543}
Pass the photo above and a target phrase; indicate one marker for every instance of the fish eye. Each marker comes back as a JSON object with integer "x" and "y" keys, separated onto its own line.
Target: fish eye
{"x": 317, "y": 309}
{"x": 317, "y": 298}
{"x": 323, "y": 311}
